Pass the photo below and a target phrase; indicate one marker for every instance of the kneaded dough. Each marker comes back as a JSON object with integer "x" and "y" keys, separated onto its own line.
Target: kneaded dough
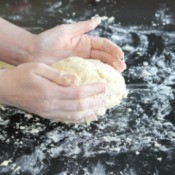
{"x": 94, "y": 71}
{"x": 4, "y": 65}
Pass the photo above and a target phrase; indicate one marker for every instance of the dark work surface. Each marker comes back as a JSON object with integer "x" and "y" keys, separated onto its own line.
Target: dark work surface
{"x": 135, "y": 138}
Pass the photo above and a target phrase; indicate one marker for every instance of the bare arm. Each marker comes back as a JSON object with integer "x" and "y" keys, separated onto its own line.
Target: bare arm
{"x": 20, "y": 46}
{"x": 42, "y": 90}
{"x": 16, "y": 44}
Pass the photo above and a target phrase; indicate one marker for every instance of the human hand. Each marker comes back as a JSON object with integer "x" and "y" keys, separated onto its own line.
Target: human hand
{"x": 70, "y": 40}
{"x": 35, "y": 87}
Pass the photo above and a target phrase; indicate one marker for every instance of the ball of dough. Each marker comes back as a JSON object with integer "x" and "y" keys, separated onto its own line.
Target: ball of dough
{"x": 94, "y": 71}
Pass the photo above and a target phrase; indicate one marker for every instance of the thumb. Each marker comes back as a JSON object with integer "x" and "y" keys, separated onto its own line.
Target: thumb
{"x": 59, "y": 77}
{"x": 82, "y": 27}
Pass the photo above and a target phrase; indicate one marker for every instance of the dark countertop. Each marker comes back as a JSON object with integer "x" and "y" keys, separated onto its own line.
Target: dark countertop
{"x": 135, "y": 138}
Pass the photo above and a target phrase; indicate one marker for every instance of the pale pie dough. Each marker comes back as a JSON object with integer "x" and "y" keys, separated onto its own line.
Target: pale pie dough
{"x": 94, "y": 71}
{"x": 4, "y": 65}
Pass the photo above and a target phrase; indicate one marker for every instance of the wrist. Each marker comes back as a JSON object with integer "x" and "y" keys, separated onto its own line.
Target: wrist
{"x": 25, "y": 46}
{"x": 29, "y": 40}
{"x": 16, "y": 43}
{"x": 29, "y": 48}
{"x": 20, "y": 52}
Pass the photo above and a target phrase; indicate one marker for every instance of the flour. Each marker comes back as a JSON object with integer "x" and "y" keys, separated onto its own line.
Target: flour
{"x": 5, "y": 162}
{"x": 128, "y": 137}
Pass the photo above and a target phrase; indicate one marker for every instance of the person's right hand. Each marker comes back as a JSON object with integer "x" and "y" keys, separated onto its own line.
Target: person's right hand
{"x": 41, "y": 90}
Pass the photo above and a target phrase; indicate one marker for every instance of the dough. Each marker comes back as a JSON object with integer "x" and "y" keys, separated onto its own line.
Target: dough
{"x": 4, "y": 65}
{"x": 94, "y": 71}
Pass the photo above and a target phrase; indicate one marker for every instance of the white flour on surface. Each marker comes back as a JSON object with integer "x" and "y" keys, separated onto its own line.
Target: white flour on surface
{"x": 135, "y": 131}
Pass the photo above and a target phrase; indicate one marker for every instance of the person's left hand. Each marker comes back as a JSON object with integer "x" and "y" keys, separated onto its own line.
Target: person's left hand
{"x": 70, "y": 40}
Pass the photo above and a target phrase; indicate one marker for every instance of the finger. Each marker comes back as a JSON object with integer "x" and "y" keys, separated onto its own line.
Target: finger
{"x": 119, "y": 65}
{"x": 88, "y": 119}
{"x": 72, "y": 117}
{"x": 80, "y": 92}
{"x": 107, "y": 46}
{"x": 107, "y": 58}
{"x": 81, "y": 27}
{"x": 103, "y": 56}
{"x": 56, "y": 76}
{"x": 80, "y": 51}
{"x": 78, "y": 104}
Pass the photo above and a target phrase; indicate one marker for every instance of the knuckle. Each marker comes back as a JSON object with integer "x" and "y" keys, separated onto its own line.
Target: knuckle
{"x": 31, "y": 67}
{"x": 39, "y": 65}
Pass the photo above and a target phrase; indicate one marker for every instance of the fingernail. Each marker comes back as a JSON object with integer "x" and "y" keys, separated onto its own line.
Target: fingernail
{"x": 95, "y": 118}
{"x": 116, "y": 65}
{"x": 75, "y": 80}
{"x": 91, "y": 118}
{"x": 70, "y": 80}
{"x": 124, "y": 66}
{"x": 96, "y": 21}
{"x": 120, "y": 54}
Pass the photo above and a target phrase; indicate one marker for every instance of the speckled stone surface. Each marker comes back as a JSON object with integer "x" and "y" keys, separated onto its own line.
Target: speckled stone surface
{"x": 135, "y": 138}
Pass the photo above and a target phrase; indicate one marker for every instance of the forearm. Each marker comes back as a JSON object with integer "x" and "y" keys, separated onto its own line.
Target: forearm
{"x": 13, "y": 55}
{"x": 16, "y": 44}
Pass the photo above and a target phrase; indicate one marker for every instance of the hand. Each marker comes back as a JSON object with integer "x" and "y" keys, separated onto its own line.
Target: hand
{"x": 41, "y": 90}
{"x": 70, "y": 40}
